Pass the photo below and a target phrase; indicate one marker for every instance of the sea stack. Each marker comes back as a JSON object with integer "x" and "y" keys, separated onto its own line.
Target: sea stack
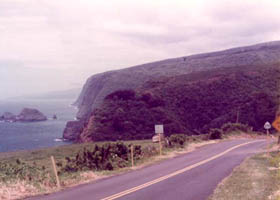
{"x": 7, "y": 116}
{"x": 31, "y": 115}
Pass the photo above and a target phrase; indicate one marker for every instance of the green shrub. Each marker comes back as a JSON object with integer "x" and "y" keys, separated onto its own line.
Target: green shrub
{"x": 235, "y": 127}
{"x": 197, "y": 138}
{"x": 149, "y": 151}
{"x": 215, "y": 133}
{"x": 109, "y": 156}
{"x": 137, "y": 151}
{"x": 177, "y": 140}
{"x": 122, "y": 94}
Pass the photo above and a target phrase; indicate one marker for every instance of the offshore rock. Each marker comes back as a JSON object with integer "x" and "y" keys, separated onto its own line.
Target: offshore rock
{"x": 30, "y": 115}
{"x": 7, "y": 116}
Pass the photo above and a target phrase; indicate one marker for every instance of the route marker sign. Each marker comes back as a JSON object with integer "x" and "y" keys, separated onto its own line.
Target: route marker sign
{"x": 159, "y": 129}
{"x": 276, "y": 123}
{"x": 267, "y": 125}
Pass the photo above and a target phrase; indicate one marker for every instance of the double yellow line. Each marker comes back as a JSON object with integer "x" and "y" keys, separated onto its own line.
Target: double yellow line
{"x": 134, "y": 189}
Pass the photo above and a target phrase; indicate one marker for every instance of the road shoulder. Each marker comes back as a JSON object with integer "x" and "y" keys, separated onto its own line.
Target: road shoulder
{"x": 256, "y": 178}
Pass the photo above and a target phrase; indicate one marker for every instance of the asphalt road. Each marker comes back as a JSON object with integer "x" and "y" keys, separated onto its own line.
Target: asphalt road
{"x": 192, "y": 176}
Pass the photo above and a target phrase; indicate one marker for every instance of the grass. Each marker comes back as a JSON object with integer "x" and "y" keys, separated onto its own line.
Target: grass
{"x": 256, "y": 178}
{"x": 42, "y": 156}
{"x": 14, "y": 188}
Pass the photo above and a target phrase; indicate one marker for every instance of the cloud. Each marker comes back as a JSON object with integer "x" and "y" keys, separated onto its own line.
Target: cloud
{"x": 80, "y": 38}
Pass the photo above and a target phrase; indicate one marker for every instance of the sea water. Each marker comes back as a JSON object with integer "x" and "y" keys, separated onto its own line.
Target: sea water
{"x": 34, "y": 135}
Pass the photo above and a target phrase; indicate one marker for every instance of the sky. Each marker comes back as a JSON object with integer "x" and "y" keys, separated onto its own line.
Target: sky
{"x": 52, "y": 45}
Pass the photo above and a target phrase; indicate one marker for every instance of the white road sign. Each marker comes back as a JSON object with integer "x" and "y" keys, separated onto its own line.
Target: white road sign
{"x": 267, "y": 125}
{"x": 159, "y": 129}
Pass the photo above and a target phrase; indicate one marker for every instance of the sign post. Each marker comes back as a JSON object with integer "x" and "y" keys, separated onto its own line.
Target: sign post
{"x": 159, "y": 131}
{"x": 267, "y": 126}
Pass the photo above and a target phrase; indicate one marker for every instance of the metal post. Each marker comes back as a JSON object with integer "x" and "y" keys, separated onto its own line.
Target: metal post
{"x": 267, "y": 132}
{"x": 267, "y": 135}
{"x": 55, "y": 172}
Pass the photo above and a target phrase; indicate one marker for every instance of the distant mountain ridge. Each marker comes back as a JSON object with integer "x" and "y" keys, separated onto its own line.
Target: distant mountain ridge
{"x": 98, "y": 86}
{"x": 63, "y": 94}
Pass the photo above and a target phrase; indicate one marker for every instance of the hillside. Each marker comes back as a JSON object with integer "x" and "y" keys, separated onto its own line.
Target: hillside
{"x": 189, "y": 104}
{"x": 98, "y": 86}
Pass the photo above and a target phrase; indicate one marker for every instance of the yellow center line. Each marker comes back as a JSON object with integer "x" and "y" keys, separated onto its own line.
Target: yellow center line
{"x": 118, "y": 195}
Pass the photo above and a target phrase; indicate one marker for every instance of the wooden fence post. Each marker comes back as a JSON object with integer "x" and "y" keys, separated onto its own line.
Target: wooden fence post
{"x": 132, "y": 156}
{"x": 55, "y": 172}
{"x": 159, "y": 141}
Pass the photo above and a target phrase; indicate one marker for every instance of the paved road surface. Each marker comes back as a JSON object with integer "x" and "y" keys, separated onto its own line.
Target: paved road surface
{"x": 192, "y": 176}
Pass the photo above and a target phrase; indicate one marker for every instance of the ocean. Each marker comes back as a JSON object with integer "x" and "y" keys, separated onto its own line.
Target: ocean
{"x": 35, "y": 135}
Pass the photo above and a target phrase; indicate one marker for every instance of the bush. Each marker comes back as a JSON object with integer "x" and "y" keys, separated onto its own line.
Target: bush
{"x": 234, "y": 127}
{"x": 177, "y": 140}
{"x": 215, "y": 133}
{"x": 197, "y": 138}
{"x": 106, "y": 157}
{"x": 149, "y": 151}
{"x": 122, "y": 95}
{"x": 137, "y": 151}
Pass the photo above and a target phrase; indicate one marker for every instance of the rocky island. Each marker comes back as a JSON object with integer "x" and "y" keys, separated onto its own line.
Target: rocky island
{"x": 31, "y": 115}
{"x": 7, "y": 116}
{"x": 26, "y": 115}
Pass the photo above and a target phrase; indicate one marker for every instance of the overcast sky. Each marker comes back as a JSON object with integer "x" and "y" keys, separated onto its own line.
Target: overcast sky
{"x": 48, "y": 45}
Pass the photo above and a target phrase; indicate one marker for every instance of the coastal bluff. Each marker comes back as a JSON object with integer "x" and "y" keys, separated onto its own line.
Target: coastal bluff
{"x": 93, "y": 96}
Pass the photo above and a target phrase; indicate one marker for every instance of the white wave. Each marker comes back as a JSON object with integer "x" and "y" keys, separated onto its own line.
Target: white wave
{"x": 73, "y": 106}
{"x": 58, "y": 139}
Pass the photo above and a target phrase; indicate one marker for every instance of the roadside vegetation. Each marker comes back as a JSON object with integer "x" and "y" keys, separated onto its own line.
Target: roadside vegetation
{"x": 256, "y": 178}
{"x": 30, "y": 172}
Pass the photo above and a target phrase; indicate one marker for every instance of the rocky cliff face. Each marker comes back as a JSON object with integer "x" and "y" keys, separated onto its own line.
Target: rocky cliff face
{"x": 72, "y": 129}
{"x": 99, "y": 86}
